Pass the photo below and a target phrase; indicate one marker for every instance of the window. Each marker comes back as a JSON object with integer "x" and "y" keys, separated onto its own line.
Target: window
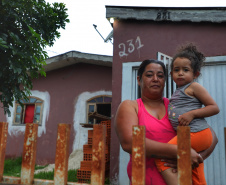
{"x": 170, "y": 85}
{"x": 30, "y": 113}
{"x": 100, "y": 105}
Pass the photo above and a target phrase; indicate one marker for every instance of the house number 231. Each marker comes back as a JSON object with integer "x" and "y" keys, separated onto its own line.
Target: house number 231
{"x": 129, "y": 46}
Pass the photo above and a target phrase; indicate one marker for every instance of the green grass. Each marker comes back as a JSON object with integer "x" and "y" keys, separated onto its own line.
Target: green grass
{"x": 72, "y": 175}
{"x": 12, "y": 167}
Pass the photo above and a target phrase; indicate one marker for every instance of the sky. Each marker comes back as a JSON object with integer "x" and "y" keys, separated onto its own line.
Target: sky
{"x": 80, "y": 35}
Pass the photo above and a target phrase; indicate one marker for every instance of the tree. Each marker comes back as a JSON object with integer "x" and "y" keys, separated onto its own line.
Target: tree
{"x": 26, "y": 28}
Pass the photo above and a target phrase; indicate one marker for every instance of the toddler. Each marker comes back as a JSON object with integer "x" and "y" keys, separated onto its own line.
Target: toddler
{"x": 185, "y": 108}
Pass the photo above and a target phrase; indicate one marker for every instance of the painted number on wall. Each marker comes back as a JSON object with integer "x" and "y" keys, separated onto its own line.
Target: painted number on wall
{"x": 163, "y": 15}
{"x": 130, "y": 46}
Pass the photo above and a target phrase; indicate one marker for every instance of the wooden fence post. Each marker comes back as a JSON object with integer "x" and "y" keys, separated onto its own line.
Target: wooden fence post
{"x": 184, "y": 155}
{"x": 138, "y": 156}
{"x": 62, "y": 154}
{"x": 98, "y": 155}
{"x": 29, "y": 153}
{"x": 3, "y": 139}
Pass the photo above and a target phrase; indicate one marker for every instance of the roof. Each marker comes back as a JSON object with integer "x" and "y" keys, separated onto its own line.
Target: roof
{"x": 166, "y": 3}
{"x": 74, "y": 57}
{"x": 175, "y": 14}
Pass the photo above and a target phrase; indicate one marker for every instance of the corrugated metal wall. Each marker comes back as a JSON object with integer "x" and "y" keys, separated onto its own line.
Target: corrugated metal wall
{"x": 213, "y": 78}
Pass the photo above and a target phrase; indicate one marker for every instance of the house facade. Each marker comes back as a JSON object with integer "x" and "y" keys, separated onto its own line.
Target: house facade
{"x": 155, "y": 33}
{"x": 75, "y": 84}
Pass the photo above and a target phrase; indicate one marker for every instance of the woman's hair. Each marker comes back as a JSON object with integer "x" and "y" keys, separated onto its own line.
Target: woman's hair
{"x": 190, "y": 52}
{"x": 147, "y": 62}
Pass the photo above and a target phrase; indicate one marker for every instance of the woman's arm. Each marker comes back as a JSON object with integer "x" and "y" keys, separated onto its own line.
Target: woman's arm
{"x": 206, "y": 153}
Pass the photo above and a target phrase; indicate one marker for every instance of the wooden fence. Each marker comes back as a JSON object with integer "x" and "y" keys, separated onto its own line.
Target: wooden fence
{"x": 61, "y": 157}
{"x": 98, "y": 156}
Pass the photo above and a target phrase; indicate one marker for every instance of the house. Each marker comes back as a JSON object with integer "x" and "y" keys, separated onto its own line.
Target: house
{"x": 145, "y": 32}
{"x": 75, "y": 84}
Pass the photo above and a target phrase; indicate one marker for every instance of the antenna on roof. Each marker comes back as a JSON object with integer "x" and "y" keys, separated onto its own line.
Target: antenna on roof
{"x": 109, "y": 37}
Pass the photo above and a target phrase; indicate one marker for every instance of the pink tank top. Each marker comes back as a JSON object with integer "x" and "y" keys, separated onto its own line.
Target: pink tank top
{"x": 158, "y": 130}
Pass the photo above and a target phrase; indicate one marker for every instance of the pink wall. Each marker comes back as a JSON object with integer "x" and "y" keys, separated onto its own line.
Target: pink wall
{"x": 64, "y": 86}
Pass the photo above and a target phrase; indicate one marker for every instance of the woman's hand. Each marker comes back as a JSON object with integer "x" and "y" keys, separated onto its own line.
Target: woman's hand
{"x": 172, "y": 163}
{"x": 195, "y": 159}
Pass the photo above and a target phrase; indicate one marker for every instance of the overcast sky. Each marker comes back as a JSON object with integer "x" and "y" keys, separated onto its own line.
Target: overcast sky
{"x": 80, "y": 34}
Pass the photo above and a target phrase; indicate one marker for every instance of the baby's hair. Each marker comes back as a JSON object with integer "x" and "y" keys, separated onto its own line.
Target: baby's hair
{"x": 190, "y": 52}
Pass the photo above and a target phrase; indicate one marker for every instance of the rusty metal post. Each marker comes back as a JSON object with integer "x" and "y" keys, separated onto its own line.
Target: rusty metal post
{"x": 3, "y": 139}
{"x": 62, "y": 154}
{"x": 184, "y": 155}
{"x": 98, "y": 155}
{"x": 29, "y": 153}
{"x": 138, "y": 156}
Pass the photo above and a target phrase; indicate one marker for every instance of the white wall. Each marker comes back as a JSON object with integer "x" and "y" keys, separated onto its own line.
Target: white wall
{"x": 81, "y": 134}
{"x": 17, "y": 129}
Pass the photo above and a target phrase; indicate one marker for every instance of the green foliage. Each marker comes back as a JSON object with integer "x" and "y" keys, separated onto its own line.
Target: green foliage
{"x": 26, "y": 28}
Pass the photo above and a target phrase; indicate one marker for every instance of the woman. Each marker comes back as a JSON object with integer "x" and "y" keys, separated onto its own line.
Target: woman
{"x": 151, "y": 111}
